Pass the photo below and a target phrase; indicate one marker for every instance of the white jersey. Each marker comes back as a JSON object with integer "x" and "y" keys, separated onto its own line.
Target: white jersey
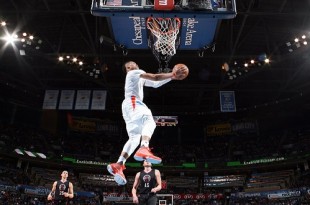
{"x": 137, "y": 115}
{"x": 134, "y": 84}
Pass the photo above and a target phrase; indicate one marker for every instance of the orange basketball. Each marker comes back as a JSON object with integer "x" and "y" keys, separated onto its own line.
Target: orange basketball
{"x": 180, "y": 75}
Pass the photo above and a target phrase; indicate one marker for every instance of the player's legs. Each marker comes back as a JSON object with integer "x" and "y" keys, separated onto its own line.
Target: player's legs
{"x": 140, "y": 121}
{"x": 116, "y": 169}
{"x": 134, "y": 123}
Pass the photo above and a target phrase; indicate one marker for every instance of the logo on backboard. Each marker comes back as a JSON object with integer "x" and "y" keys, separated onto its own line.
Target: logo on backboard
{"x": 189, "y": 24}
{"x": 138, "y": 25}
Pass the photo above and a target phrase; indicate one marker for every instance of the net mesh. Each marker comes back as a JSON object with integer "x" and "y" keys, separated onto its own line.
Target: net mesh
{"x": 166, "y": 31}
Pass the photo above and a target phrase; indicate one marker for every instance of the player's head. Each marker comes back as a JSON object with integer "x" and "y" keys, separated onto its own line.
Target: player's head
{"x": 130, "y": 65}
{"x": 64, "y": 174}
{"x": 147, "y": 164}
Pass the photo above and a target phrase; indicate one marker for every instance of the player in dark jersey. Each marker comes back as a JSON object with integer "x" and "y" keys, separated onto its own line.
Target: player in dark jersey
{"x": 147, "y": 183}
{"x": 62, "y": 190}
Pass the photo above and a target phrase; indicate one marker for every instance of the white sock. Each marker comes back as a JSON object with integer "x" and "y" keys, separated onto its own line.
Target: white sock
{"x": 121, "y": 159}
{"x": 144, "y": 143}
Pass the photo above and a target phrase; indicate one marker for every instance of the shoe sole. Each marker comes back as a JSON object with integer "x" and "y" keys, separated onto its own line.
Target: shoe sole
{"x": 148, "y": 159}
{"x": 117, "y": 177}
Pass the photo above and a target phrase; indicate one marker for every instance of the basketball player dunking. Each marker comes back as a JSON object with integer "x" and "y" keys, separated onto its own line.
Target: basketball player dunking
{"x": 138, "y": 117}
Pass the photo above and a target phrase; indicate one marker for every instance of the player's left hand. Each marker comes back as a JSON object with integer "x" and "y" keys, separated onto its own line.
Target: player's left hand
{"x": 66, "y": 194}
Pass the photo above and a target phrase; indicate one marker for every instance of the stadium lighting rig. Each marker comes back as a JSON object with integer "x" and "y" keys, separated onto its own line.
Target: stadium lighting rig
{"x": 20, "y": 41}
{"x": 298, "y": 42}
{"x": 240, "y": 67}
{"x": 93, "y": 70}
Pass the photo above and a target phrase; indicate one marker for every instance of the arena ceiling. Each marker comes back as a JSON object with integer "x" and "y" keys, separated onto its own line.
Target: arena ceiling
{"x": 262, "y": 28}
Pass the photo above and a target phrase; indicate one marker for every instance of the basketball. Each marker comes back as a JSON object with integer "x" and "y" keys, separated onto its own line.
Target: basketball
{"x": 180, "y": 75}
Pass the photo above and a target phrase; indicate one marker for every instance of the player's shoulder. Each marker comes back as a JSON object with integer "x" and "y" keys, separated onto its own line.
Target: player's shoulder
{"x": 156, "y": 171}
{"x": 135, "y": 72}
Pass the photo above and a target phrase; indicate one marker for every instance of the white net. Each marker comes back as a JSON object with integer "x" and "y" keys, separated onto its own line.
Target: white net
{"x": 165, "y": 30}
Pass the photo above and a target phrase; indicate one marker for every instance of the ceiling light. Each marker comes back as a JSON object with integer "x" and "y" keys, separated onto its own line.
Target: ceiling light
{"x": 24, "y": 34}
{"x": 296, "y": 40}
{"x": 31, "y": 37}
{"x": 74, "y": 59}
{"x": 61, "y": 58}
{"x": 80, "y": 63}
{"x": 267, "y": 60}
{"x": 3, "y": 23}
{"x": 305, "y": 43}
{"x": 252, "y": 61}
{"x": 246, "y": 65}
{"x": 9, "y": 38}
{"x": 288, "y": 44}
{"x": 303, "y": 36}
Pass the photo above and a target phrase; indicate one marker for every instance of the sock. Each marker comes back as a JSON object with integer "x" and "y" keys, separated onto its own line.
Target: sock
{"x": 121, "y": 160}
{"x": 144, "y": 143}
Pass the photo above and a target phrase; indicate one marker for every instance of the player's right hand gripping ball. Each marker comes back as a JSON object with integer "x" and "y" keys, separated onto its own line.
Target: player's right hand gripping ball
{"x": 181, "y": 71}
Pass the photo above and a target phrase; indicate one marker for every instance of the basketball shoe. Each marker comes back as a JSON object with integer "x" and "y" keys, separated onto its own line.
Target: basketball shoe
{"x": 117, "y": 171}
{"x": 144, "y": 153}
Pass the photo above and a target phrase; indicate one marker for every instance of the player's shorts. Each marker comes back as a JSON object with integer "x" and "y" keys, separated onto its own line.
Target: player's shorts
{"x": 134, "y": 114}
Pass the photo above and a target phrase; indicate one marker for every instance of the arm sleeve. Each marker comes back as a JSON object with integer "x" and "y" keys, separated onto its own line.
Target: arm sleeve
{"x": 156, "y": 84}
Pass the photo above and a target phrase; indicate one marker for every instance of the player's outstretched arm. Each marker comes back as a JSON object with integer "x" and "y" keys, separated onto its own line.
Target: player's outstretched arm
{"x": 157, "y": 76}
{"x": 159, "y": 79}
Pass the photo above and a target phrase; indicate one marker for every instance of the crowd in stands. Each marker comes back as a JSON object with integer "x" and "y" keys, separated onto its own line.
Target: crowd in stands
{"x": 103, "y": 147}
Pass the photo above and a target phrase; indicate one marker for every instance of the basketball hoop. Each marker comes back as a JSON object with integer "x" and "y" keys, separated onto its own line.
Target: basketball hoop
{"x": 166, "y": 31}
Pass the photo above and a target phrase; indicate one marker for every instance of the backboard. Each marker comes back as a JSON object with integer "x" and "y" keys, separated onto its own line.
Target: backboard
{"x": 198, "y": 24}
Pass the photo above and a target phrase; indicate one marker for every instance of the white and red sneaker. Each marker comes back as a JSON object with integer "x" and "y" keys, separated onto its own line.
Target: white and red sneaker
{"x": 144, "y": 153}
{"x": 117, "y": 171}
